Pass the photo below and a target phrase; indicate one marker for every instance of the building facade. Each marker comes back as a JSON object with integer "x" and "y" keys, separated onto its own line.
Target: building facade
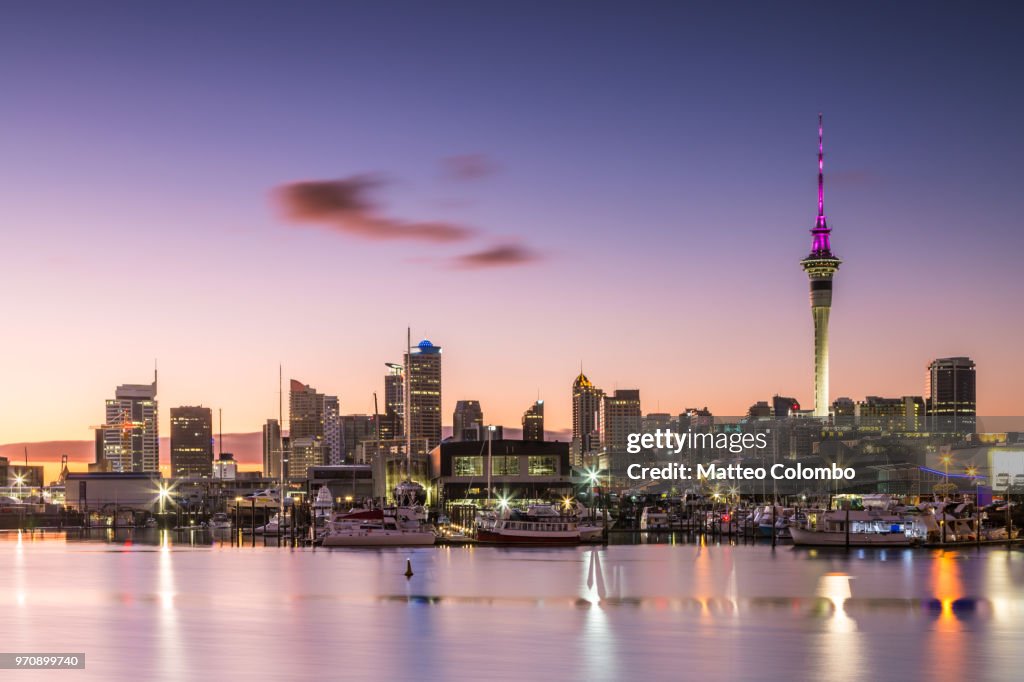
{"x": 424, "y": 367}
{"x": 467, "y": 420}
{"x": 952, "y": 395}
{"x": 533, "y": 422}
{"x": 586, "y": 405}
{"x": 272, "y": 449}
{"x": 191, "y": 442}
{"x": 131, "y": 437}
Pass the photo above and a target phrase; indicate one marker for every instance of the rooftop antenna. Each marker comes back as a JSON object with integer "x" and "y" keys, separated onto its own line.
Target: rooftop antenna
{"x": 154, "y": 376}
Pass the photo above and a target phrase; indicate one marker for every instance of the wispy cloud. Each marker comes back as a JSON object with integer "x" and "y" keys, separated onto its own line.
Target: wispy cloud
{"x": 345, "y": 205}
{"x": 469, "y": 166}
{"x": 498, "y": 256}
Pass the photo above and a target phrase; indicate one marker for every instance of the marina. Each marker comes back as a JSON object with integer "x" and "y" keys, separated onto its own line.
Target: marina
{"x": 142, "y": 598}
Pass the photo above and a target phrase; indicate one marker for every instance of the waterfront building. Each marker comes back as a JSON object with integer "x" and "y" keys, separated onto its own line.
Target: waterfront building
{"x": 424, "y": 367}
{"x": 349, "y": 483}
{"x": 519, "y": 470}
{"x": 952, "y": 397}
{"x": 821, "y": 266}
{"x": 586, "y": 404}
{"x": 131, "y": 438}
{"x": 225, "y": 468}
{"x": 96, "y": 491}
{"x": 467, "y": 420}
{"x": 191, "y": 442}
{"x": 533, "y": 422}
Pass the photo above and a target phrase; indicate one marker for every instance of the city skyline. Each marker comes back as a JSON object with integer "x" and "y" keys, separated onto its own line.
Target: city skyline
{"x": 682, "y": 224}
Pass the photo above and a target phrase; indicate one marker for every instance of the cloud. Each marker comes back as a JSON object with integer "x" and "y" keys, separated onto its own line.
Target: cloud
{"x": 344, "y": 205}
{"x": 469, "y": 166}
{"x": 500, "y": 255}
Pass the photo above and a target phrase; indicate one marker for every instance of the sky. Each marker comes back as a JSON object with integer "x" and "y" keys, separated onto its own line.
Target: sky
{"x": 226, "y": 187}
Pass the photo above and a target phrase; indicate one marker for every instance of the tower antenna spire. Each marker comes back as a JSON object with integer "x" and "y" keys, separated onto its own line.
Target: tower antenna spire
{"x": 821, "y": 176}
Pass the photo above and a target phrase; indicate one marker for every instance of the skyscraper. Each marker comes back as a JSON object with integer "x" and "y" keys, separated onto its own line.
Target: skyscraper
{"x": 533, "y": 422}
{"x": 586, "y": 403}
{"x": 392, "y": 424}
{"x": 191, "y": 442}
{"x": 467, "y": 420}
{"x": 131, "y": 439}
{"x": 334, "y": 444}
{"x": 424, "y": 367}
{"x": 821, "y": 265}
{"x": 620, "y": 415}
{"x": 272, "y": 447}
{"x": 952, "y": 398}
{"x": 305, "y": 412}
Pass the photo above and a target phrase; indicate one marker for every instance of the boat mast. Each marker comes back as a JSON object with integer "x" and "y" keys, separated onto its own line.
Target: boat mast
{"x": 408, "y": 403}
{"x": 489, "y": 432}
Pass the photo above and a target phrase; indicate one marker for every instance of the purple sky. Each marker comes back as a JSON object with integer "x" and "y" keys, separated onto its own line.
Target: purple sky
{"x": 637, "y": 182}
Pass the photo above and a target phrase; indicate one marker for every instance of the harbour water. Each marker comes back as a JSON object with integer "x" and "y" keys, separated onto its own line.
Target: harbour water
{"x": 143, "y": 607}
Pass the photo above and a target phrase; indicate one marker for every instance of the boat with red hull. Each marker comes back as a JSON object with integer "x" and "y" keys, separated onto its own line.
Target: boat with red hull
{"x": 533, "y": 527}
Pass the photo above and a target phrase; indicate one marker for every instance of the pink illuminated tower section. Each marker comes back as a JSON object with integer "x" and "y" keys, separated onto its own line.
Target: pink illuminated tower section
{"x": 821, "y": 266}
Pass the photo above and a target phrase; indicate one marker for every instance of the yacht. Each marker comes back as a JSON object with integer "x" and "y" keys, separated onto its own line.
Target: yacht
{"x": 374, "y": 528}
{"x": 653, "y": 518}
{"x": 219, "y": 521}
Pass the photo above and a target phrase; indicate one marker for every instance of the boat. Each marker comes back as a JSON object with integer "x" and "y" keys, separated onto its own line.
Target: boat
{"x": 853, "y": 528}
{"x": 374, "y": 528}
{"x": 653, "y": 518}
{"x": 271, "y": 527}
{"x": 537, "y": 525}
{"x": 219, "y": 521}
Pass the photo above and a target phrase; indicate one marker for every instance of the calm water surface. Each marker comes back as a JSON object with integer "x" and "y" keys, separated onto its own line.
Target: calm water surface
{"x": 656, "y": 611}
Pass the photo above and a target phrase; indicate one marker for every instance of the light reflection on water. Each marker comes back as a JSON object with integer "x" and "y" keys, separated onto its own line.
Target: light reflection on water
{"x": 166, "y": 611}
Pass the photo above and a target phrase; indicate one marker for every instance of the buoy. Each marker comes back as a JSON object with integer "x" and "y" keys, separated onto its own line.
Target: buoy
{"x": 408, "y": 568}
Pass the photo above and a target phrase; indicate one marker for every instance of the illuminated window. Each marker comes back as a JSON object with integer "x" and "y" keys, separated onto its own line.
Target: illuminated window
{"x": 467, "y": 466}
{"x": 543, "y": 466}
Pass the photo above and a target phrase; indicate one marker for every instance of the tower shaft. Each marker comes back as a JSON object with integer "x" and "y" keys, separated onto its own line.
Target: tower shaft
{"x": 821, "y": 266}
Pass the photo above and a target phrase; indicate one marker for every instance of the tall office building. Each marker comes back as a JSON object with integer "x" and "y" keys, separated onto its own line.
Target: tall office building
{"x": 334, "y": 444}
{"x": 305, "y": 412}
{"x": 952, "y": 397}
{"x": 586, "y": 403}
{"x": 272, "y": 449}
{"x": 392, "y": 424}
{"x": 467, "y": 420}
{"x": 355, "y": 429}
{"x": 191, "y": 442}
{"x": 821, "y": 266}
{"x": 619, "y": 416}
{"x": 533, "y": 422}
{"x": 131, "y": 438}
{"x": 424, "y": 367}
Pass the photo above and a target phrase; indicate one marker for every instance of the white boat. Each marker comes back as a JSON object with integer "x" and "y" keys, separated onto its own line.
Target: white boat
{"x": 867, "y": 528}
{"x": 372, "y": 528}
{"x": 653, "y": 518}
{"x": 271, "y": 527}
{"x": 219, "y": 521}
{"x": 538, "y": 525}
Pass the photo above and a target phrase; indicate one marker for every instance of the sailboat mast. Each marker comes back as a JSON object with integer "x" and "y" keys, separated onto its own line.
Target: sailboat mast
{"x": 408, "y": 403}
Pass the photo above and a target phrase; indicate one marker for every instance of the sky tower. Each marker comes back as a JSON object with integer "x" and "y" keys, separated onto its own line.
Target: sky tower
{"x": 820, "y": 266}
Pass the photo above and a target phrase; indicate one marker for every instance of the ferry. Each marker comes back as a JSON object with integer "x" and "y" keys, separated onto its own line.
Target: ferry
{"x": 538, "y": 525}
